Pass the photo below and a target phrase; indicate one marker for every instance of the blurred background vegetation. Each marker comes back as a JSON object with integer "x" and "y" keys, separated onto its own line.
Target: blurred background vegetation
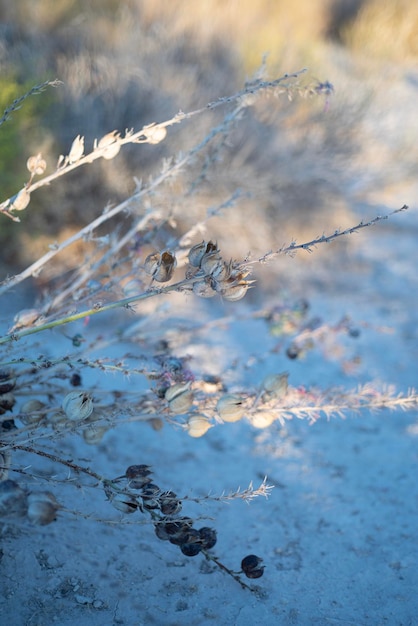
{"x": 308, "y": 164}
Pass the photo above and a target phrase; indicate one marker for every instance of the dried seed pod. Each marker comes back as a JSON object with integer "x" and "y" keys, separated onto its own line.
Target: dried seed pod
{"x": 160, "y": 531}
{"x": 177, "y": 529}
{"x": 208, "y": 537}
{"x": 32, "y": 411}
{"x": 276, "y": 384}
{"x": 76, "y": 150}
{"x": 150, "y": 496}
{"x": 179, "y": 398}
{"x": 20, "y": 201}
{"x": 7, "y": 402}
{"x": 7, "y": 381}
{"x": 154, "y": 133}
{"x": 94, "y": 434}
{"x": 160, "y": 266}
{"x": 5, "y": 460}
{"x": 77, "y": 405}
{"x": 211, "y": 263}
{"x": 152, "y": 263}
{"x": 250, "y": 565}
{"x": 198, "y": 425}
{"x": 124, "y": 502}
{"x": 42, "y": 508}
{"x": 169, "y": 503}
{"x": 263, "y": 419}
{"x": 166, "y": 268}
{"x": 198, "y": 251}
{"x": 193, "y": 544}
{"x": 235, "y": 292}
{"x": 138, "y": 476}
{"x": 26, "y": 317}
{"x": 203, "y": 289}
{"x": 109, "y": 143}
{"x": 13, "y": 499}
{"x": 230, "y": 407}
{"x": 36, "y": 165}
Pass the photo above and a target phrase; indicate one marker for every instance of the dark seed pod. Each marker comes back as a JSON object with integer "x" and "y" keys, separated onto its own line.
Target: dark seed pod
{"x": 293, "y": 352}
{"x": 178, "y": 530}
{"x": 7, "y": 402}
{"x": 149, "y": 494}
{"x": 190, "y": 549}
{"x": 192, "y": 543}
{"x": 138, "y": 476}
{"x": 208, "y": 537}
{"x": 7, "y": 381}
{"x": 169, "y": 503}
{"x": 250, "y": 565}
{"x": 75, "y": 380}
{"x": 161, "y": 532}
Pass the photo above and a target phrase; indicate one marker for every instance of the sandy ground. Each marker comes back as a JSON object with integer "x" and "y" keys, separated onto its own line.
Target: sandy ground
{"x": 339, "y": 534}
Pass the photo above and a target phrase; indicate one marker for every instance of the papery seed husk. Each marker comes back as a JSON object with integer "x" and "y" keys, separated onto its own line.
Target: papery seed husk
{"x": 154, "y": 134}
{"x": 20, "y": 201}
{"x": 124, "y": 503}
{"x": 203, "y": 289}
{"x": 94, "y": 435}
{"x": 108, "y": 139}
{"x": 176, "y": 390}
{"x": 236, "y": 292}
{"x": 31, "y": 411}
{"x": 263, "y": 419}
{"x": 276, "y": 384}
{"x": 196, "y": 253}
{"x": 111, "y": 151}
{"x": 77, "y": 405}
{"x": 198, "y": 425}
{"x": 76, "y": 150}
{"x": 36, "y": 164}
{"x": 42, "y": 508}
{"x": 152, "y": 263}
{"x": 230, "y": 407}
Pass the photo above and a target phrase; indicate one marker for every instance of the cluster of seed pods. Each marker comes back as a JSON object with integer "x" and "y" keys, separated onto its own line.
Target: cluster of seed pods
{"x": 208, "y": 273}
{"x": 140, "y": 493}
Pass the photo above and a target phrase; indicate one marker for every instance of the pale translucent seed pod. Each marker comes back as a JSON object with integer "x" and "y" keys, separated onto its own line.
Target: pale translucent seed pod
{"x": 179, "y": 397}
{"x": 36, "y": 165}
{"x": 196, "y": 253}
{"x": 263, "y": 419}
{"x": 152, "y": 263}
{"x": 108, "y": 139}
{"x": 5, "y": 461}
{"x": 20, "y": 201}
{"x": 212, "y": 264}
{"x": 203, "y": 289}
{"x": 42, "y": 508}
{"x": 236, "y": 292}
{"x": 94, "y": 434}
{"x": 230, "y": 407}
{"x": 198, "y": 425}
{"x": 77, "y": 149}
{"x": 276, "y": 384}
{"x": 77, "y": 405}
{"x": 154, "y": 134}
{"x": 32, "y": 411}
{"x": 26, "y": 317}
